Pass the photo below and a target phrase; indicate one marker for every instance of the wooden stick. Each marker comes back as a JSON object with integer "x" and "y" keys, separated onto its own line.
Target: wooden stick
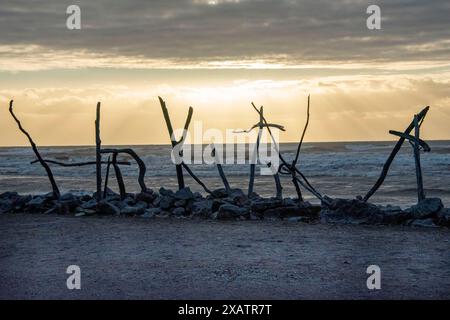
{"x": 420, "y": 191}
{"x": 55, "y": 189}
{"x": 140, "y": 163}
{"x": 189, "y": 171}
{"x": 98, "y": 156}
{"x": 278, "y": 186}
{"x": 410, "y": 138}
{"x": 254, "y": 159}
{"x": 119, "y": 177}
{"x": 79, "y": 164}
{"x": 394, "y": 152}
{"x": 107, "y": 177}
{"x": 294, "y": 163}
{"x": 220, "y": 169}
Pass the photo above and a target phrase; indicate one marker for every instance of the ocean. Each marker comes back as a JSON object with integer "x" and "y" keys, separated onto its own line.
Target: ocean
{"x": 336, "y": 169}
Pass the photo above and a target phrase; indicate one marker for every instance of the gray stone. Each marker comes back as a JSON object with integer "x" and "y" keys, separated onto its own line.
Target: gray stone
{"x": 202, "y": 208}
{"x": 147, "y": 196}
{"x": 132, "y": 211}
{"x": 443, "y": 217}
{"x": 91, "y": 204}
{"x": 425, "y": 223}
{"x": 220, "y": 193}
{"x": 351, "y": 211}
{"x": 105, "y": 207}
{"x": 150, "y": 213}
{"x": 426, "y": 208}
{"x": 184, "y": 194}
{"x": 166, "y": 192}
{"x": 394, "y": 215}
{"x": 178, "y": 211}
{"x": 229, "y": 211}
{"x": 262, "y": 205}
{"x": 166, "y": 202}
{"x": 180, "y": 203}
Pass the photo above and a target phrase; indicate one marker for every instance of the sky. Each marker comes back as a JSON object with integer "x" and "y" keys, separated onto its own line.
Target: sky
{"x": 218, "y": 56}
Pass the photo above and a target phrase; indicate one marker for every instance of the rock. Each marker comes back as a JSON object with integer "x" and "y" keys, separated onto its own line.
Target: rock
{"x": 105, "y": 207}
{"x": 394, "y": 215}
{"x": 286, "y": 212}
{"x": 147, "y": 196}
{"x": 178, "y": 211}
{"x": 229, "y": 211}
{"x": 238, "y": 197}
{"x": 298, "y": 219}
{"x": 425, "y": 223}
{"x": 202, "y": 208}
{"x": 288, "y": 202}
{"x": 179, "y": 203}
{"x": 91, "y": 204}
{"x": 150, "y": 213}
{"x": 166, "y": 192}
{"x": 351, "y": 211}
{"x": 157, "y": 201}
{"x": 262, "y": 205}
{"x": 70, "y": 201}
{"x": 426, "y": 208}
{"x": 443, "y": 217}
{"x": 132, "y": 211}
{"x": 220, "y": 193}
{"x": 166, "y": 202}
{"x": 184, "y": 194}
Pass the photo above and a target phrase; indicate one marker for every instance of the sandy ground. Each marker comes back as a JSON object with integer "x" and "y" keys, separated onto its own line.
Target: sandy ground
{"x": 140, "y": 258}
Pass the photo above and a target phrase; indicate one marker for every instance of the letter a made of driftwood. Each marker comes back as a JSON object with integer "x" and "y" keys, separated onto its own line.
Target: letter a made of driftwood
{"x": 55, "y": 189}
{"x": 416, "y": 142}
{"x": 261, "y": 125}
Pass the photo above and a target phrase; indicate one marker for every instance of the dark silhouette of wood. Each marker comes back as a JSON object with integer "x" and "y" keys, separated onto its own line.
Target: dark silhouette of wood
{"x": 98, "y": 155}
{"x": 286, "y": 168}
{"x": 220, "y": 169}
{"x": 420, "y": 117}
{"x": 189, "y": 171}
{"x": 79, "y": 164}
{"x": 140, "y": 163}
{"x": 420, "y": 191}
{"x": 254, "y": 160}
{"x": 107, "y": 177}
{"x": 179, "y": 167}
{"x": 411, "y": 139}
{"x": 294, "y": 163}
{"x": 55, "y": 189}
{"x": 119, "y": 177}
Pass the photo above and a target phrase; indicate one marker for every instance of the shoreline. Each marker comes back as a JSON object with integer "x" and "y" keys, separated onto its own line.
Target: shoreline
{"x": 126, "y": 258}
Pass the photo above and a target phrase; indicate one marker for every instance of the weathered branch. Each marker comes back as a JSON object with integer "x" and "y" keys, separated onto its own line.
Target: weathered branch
{"x": 394, "y": 152}
{"x": 98, "y": 156}
{"x": 36, "y": 152}
{"x": 423, "y": 144}
{"x": 420, "y": 191}
{"x": 79, "y": 164}
{"x": 294, "y": 163}
{"x": 220, "y": 169}
{"x": 140, "y": 163}
{"x": 107, "y": 177}
{"x": 119, "y": 177}
{"x": 195, "y": 178}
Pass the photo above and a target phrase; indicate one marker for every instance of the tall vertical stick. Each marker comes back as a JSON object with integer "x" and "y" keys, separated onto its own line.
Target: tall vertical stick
{"x": 98, "y": 155}
{"x": 420, "y": 191}
{"x": 105, "y": 190}
{"x": 55, "y": 189}
{"x": 254, "y": 159}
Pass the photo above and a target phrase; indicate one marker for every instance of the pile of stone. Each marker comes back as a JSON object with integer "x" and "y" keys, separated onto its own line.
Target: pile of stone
{"x": 231, "y": 205}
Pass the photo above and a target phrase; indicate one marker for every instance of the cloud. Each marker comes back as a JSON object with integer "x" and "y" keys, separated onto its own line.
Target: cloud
{"x": 222, "y": 33}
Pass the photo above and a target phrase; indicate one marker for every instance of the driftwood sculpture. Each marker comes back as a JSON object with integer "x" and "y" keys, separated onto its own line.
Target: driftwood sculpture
{"x": 180, "y": 166}
{"x": 261, "y": 125}
{"x": 286, "y": 168}
{"x": 417, "y": 144}
{"x": 44, "y": 164}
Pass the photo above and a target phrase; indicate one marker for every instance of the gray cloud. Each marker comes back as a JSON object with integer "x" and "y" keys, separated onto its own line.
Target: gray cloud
{"x": 301, "y": 31}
